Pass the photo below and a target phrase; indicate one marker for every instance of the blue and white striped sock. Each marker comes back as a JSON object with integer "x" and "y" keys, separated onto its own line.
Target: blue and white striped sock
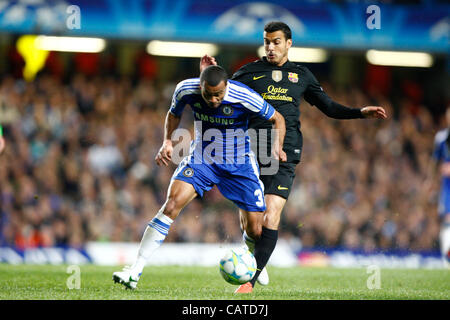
{"x": 153, "y": 237}
{"x": 444, "y": 238}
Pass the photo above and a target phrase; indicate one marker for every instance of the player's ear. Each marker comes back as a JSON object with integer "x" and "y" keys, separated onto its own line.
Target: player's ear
{"x": 289, "y": 43}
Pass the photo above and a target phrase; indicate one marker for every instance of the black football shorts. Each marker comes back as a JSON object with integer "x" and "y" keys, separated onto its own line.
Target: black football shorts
{"x": 281, "y": 182}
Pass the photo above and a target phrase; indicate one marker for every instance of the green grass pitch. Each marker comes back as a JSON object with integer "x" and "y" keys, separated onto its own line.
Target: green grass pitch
{"x": 42, "y": 282}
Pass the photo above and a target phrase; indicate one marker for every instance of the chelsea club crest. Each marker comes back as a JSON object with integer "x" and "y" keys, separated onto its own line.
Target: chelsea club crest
{"x": 227, "y": 110}
{"x": 188, "y": 172}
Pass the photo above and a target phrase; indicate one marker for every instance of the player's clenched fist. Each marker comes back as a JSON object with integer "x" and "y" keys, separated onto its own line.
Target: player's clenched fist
{"x": 164, "y": 154}
{"x": 206, "y": 61}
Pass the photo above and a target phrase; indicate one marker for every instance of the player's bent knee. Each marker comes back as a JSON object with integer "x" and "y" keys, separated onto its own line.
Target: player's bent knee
{"x": 172, "y": 208}
{"x": 254, "y": 230}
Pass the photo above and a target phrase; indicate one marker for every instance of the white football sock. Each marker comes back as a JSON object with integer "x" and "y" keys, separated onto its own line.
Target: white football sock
{"x": 153, "y": 237}
{"x": 444, "y": 237}
{"x": 249, "y": 242}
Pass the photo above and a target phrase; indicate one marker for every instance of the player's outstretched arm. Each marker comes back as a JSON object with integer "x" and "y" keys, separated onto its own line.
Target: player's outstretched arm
{"x": 207, "y": 61}
{"x": 315, "y": 96}
{"x": 280, "y": 128}
{"x": 374, "y": 112}
{"x": 164, "y": 155}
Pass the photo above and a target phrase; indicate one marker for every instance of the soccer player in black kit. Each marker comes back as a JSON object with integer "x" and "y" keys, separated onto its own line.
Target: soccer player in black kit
{"x": 283, "y": 83}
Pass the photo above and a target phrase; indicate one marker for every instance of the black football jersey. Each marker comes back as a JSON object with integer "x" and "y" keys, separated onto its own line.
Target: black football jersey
{"x": 283, "y": 87}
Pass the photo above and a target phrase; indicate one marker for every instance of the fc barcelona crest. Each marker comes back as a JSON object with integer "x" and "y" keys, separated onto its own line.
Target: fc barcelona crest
{"x": 277, "y": 75}
{"x": 293, "y": 77}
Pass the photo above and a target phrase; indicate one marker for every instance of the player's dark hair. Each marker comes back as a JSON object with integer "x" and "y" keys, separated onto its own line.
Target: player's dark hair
{"x": 213, "y": 75}
{"x": 279, "y": 26}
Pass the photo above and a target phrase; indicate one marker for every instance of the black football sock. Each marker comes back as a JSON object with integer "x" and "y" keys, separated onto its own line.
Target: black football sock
{"x": 263, "y": 250}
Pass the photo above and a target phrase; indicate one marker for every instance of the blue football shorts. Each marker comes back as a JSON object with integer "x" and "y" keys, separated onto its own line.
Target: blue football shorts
{"x": 237, "y": 182}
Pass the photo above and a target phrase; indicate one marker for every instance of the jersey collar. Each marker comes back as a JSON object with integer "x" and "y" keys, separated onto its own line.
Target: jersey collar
{"x": 264, "y": 59}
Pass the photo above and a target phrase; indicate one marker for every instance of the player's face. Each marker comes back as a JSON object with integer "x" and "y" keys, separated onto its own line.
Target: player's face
{"x": 213, "y": 95}
{"x": 276, "y": 47}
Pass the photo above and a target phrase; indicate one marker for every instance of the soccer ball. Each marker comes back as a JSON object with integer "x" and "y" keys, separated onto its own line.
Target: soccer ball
{"x": 238, "y": 266}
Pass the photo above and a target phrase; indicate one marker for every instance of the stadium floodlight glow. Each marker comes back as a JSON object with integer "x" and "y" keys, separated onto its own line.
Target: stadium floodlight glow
{"x": 297, "y": 54}
{"x": 400, "y": 58}
{"x": 181, "y": 49}
{"x": 70, "y": 44}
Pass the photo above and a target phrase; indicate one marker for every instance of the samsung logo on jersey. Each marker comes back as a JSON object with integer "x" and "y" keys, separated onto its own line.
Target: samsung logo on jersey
{"x": 211, "y": 119}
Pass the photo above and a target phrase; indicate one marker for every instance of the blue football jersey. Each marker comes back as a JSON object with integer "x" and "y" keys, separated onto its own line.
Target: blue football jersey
{"x": 441, "y": 154}
{"x": 220, "y": 133}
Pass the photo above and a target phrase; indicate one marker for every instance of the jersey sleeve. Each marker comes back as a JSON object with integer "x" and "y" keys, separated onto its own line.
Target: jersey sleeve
{"x": 179, "y": 98}
{"x": 315, "y": 96}
{"x": 314, "y": 91}
{"x": 267, "y": 111}
{"x": 255, "y": 104}
{"x": 177, "y": 105}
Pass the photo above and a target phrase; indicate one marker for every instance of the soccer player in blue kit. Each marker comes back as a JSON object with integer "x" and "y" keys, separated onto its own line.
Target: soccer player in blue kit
{"x": 221, "y": 108}
{"x": 441, "y": 160}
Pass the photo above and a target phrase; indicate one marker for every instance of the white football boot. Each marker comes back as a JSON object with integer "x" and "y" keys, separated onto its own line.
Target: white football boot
{"x": 263, "y": 278}
{"x": 126, "y": 277}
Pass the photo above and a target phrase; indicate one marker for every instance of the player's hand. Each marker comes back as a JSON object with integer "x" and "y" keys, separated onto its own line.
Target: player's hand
{"x": 207, "y": 61}
{"x": 282, "y": 156}
{"x": 164, "y": 155}
{"x": 2, "y": 144}
{"x": 374, "y": 112}
{"x": 279, "y": 154}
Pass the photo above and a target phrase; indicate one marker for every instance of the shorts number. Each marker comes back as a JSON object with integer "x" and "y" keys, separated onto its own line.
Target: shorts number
{"x": 260, "y": 201}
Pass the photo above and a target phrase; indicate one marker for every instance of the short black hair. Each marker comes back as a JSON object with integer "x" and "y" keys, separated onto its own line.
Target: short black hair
{"x": 277, "y": 26}
{"x": 213, "y": 75}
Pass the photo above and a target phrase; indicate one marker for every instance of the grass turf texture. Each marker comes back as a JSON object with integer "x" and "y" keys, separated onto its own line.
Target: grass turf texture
{"x": 42, "y": 282}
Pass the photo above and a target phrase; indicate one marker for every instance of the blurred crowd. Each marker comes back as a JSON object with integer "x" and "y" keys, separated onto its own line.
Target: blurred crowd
{"x": 361, "y": 183}
{"x": 79, "y": 166}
